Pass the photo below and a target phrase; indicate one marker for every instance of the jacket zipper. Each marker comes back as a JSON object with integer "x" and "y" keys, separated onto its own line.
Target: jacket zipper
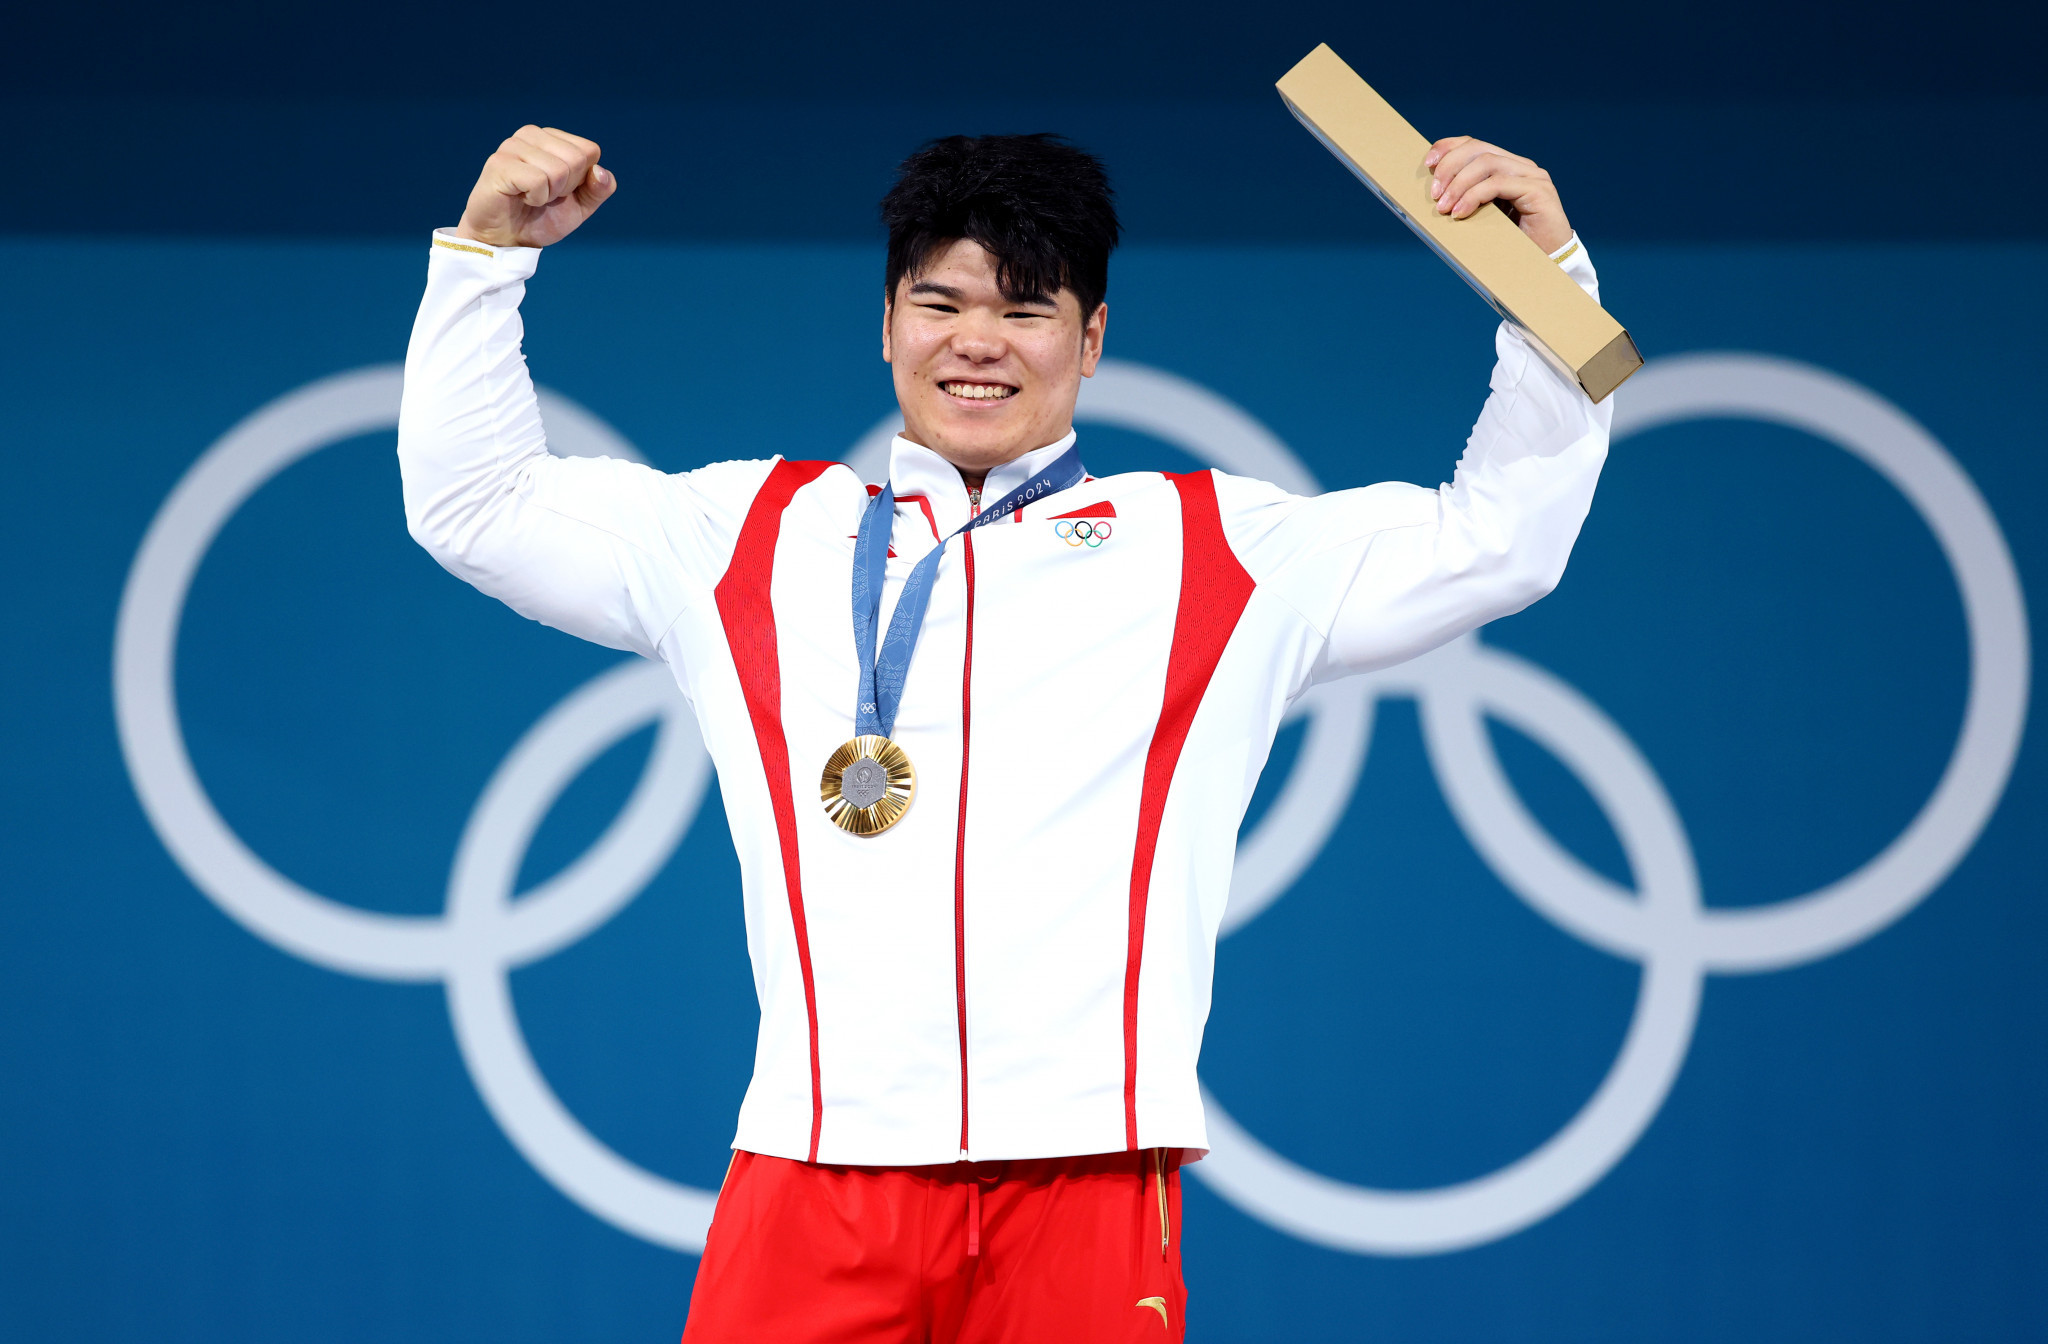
{"x": 960, "y": 841}
{"x": 1159, "y": 1170}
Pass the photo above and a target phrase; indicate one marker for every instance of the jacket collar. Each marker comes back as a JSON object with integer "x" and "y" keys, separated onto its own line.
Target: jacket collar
{"x": 915, "y": 470}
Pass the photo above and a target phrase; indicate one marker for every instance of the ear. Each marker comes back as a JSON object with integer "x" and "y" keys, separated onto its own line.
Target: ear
{"x": 888, "y": 312}
{"x": 1091, "y": 340}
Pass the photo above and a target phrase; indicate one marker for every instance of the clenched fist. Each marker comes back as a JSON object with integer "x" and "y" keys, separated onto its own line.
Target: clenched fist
{"x": 536, "y": 190}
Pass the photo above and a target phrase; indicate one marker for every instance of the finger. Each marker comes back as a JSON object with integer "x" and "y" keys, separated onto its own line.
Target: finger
{"x": 1528, "y": 192}
{"x": 546, "y": 141}
{"x": 561, "y": 176}
{"x": 576, "y": 145}
{"x": 1521, "y": 184}
{"x": 590, "y": 184}
{"x": 516, "y": 177}
{"x": 1441, "y": 148}
{"x": 1456, "y": 156}
{"x": 570, "y": 149}
{"x": 598, "y": 186}
{"x": 576, "y": 154}
{"x": 1457, "y": 161}
{"x": 527, "y": 138}
{"x": 524, "y": 146}
{"x": 1487, "y": 189}
{"x": 1467, "y": 175}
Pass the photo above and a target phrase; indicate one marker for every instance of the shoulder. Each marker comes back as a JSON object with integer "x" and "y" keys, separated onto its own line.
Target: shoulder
{"x": 1270, "y": 527}
{"x": 1201, "y": 497}
{"x": 737, "y": 487}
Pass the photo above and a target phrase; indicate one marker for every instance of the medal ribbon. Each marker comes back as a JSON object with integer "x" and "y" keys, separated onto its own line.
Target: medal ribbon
{"x": 882, "y": 675}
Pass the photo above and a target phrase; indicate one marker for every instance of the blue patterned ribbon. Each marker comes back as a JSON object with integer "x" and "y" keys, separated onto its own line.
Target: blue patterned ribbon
{"x": 882, "y": 677}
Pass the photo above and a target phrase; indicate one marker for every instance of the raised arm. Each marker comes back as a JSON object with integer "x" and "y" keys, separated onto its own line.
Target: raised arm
{"x": 1388, "y": 572}
{"x": 1496, "y": 537}
{"x": 607, "y": 550}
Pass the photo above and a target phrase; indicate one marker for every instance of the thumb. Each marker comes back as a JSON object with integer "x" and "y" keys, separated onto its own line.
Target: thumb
{"x": 597, "y": 187}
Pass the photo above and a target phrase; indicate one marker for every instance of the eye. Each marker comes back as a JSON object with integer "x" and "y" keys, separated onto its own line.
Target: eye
{"x": 938, "y": 307}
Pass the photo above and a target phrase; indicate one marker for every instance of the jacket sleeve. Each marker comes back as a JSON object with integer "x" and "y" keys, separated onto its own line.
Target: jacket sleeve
{"x": 1388, "y": 572}
{"x": 608, "y": 550}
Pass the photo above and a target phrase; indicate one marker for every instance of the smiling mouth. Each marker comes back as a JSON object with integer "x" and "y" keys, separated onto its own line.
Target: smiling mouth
{"x": 978, "y": 391}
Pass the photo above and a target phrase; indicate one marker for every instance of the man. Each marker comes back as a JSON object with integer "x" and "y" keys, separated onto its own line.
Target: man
{"x": 1035, "y": 703}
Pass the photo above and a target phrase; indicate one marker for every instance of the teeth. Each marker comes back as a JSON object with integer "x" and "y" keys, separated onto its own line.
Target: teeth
{"x": 979, "y": 391}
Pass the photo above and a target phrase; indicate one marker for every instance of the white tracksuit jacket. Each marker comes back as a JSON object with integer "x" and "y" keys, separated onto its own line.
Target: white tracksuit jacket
{"x": 1020, "y": 967}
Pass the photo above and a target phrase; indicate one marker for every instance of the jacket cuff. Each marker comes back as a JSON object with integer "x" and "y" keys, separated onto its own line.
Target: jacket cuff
{"x": 1573, "y": 261}
{"x": 500, "y": 263}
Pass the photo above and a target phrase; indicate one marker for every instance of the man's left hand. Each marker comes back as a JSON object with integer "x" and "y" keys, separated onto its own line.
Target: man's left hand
{"x": 1467, "y": 173}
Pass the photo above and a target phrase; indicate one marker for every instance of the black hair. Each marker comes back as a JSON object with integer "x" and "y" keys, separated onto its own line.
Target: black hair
{"x": 1040, "y": 205}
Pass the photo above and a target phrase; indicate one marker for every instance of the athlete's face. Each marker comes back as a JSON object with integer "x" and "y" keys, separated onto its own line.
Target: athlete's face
{"x": 982, "y": 379}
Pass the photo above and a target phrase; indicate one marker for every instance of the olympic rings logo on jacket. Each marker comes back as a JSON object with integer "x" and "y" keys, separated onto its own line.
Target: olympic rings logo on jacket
{"x": 1082, "y": 531}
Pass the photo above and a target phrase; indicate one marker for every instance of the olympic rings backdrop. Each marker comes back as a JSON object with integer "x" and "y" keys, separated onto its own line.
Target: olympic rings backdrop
{"x": 1665, "y": 962}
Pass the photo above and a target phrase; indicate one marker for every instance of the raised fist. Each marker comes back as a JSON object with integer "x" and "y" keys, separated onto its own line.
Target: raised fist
{"x": 536, "y": 189}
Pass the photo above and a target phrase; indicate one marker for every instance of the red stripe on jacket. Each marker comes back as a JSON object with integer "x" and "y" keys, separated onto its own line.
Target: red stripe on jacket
{"x": 1214, "y": 589}
{"x": 923, "y": 502}
{"x": 746, "y": 608}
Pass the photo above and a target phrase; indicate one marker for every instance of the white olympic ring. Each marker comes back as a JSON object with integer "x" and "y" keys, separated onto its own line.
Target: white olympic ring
{"x": 483, "y": 934}
{"x": 1664, "y": 926}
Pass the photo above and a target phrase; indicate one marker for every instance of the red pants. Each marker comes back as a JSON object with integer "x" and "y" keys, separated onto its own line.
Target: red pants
{"x": 1062, "y": 1250}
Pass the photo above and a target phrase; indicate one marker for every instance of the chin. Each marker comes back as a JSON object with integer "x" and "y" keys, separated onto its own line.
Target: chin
{"x": 980, "y": 441}
{"x": 1014, "y": 440}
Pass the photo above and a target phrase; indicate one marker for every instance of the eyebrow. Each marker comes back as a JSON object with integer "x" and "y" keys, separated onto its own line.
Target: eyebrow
{"x": 959, "y": 296}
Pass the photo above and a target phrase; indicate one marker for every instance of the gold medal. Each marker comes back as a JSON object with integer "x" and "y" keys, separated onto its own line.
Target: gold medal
{"x": 868, "y": 785}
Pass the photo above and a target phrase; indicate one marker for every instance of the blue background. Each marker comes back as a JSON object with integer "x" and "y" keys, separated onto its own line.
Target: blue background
{"x": 203, "y": 1138}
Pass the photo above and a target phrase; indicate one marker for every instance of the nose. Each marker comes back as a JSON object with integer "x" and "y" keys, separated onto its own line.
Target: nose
{"x": 980, "y": 338}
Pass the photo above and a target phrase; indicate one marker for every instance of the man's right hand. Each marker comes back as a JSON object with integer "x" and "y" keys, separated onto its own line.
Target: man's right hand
{"x": 538, "y": 187}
